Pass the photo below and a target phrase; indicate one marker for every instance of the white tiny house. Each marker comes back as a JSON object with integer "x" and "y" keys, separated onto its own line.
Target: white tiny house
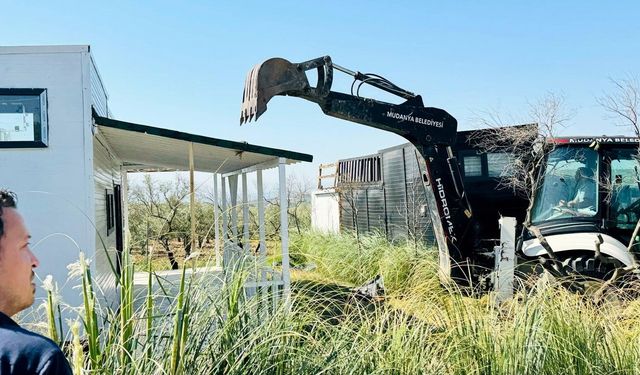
{"x": 67, "y": 159}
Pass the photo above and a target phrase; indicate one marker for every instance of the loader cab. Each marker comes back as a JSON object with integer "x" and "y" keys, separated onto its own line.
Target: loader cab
{"x": 587, "y": 187}
{"x": 568, "y": 186}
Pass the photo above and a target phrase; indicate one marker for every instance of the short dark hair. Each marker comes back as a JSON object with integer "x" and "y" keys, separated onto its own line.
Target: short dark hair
{"x": 8, "y": 199}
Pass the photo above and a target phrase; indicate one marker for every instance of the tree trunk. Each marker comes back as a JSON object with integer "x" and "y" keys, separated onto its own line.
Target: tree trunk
{"x": 172, "y": 260}
{"x": 170, "y": 255}
{"x": 297, "y": 221}
{"x": 187, "y": 245}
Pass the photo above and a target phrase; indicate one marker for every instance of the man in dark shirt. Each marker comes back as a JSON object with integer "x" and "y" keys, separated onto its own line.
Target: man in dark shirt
{"x": 21, "y": 351}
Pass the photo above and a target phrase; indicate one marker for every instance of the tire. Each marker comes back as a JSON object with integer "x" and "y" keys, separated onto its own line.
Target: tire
{"x": 588, "y": 267}
{"x": 594, "y": 277}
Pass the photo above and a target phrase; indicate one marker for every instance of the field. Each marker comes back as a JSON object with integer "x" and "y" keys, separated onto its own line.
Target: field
{"x": 419, "y": 327}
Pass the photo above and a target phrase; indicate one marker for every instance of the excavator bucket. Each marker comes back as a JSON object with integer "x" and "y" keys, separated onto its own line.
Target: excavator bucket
{"x": 273, "y": 77}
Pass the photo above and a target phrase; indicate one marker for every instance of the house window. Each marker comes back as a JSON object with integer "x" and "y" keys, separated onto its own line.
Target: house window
{"x": 498, "y": 164}
{"x": 110, "y": 211}
{"x": 23, "y": 118}
{"x": 472, "y": 166}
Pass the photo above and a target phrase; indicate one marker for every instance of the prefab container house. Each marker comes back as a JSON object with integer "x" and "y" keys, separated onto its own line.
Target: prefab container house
{"x": 384, "y": 193}
{"x": 67, "y": 159}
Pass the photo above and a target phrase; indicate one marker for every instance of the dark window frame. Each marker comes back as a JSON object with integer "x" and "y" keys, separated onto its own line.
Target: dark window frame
{"x": 110, "y": 211}
{"x": 41, "y": 121}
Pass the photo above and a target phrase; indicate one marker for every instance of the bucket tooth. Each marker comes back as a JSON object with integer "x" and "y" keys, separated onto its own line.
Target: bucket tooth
{"x": 249, "y": 97}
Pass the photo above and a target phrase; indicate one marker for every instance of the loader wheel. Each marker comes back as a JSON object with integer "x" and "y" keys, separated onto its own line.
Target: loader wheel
{"x": 592, "y": 277}
{"x": 588, "y": 267}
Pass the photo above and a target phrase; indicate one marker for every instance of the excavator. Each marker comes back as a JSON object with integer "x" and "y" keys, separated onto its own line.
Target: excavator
{"x": 584, "y": 212}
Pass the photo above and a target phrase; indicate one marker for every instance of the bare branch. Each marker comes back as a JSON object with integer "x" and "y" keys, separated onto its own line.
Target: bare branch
{"x": 623, "y": 104}
{"x": 526, "y": 145}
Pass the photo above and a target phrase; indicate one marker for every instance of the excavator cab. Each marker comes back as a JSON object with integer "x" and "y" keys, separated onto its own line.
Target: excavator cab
{"x": 588, "y": 197}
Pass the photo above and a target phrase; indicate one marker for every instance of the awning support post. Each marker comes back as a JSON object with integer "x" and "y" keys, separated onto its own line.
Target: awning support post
{"x": 245, "y": 216}
{"x": 225, "y": 223}
{"x": 192, "y": 199}
{"x": 261, "y": 225}
{"x": 233, "y": 192}
{"x": 284, "y": 228}
{"x": 216, "y": 223}
{"x": 124, "y": 185}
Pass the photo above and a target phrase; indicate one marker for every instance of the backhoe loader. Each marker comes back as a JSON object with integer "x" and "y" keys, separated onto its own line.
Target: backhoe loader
{"x": 585, "y": 210}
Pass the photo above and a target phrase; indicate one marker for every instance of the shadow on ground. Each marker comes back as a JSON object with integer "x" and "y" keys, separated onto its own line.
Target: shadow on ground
{"x": 332, "y": 302}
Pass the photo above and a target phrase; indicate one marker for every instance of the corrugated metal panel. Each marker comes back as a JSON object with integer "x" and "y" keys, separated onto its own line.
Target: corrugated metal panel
{"x": 346, "y": 213}
{"x": 394, "y": 207}
{"x": 376, "y": 210}
{"x": 419, "y": 227}
{"x": 369, "y": 206}
{"x": 363, "y": 215}
{"x": 393, "y": 175}
{"x": 98, "y": 93}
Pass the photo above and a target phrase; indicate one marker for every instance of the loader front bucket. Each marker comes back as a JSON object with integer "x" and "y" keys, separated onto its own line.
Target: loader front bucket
{"x": 273, "y": 77}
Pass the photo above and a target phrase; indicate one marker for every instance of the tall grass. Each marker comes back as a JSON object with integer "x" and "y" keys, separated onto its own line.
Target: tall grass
{"x": 420, "y": 328}
{"x": 343, "y": 258}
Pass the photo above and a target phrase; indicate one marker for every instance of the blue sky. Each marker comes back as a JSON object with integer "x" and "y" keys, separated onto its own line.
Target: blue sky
{"x": 181, "y": 65}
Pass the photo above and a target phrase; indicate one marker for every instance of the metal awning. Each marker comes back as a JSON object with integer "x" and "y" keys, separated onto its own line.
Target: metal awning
{"x": 147, "y": 148}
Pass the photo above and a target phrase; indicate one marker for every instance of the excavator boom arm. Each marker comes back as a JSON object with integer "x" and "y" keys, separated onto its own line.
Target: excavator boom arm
{"x": 411, "y": 119}
{"x": 431, "y": 130}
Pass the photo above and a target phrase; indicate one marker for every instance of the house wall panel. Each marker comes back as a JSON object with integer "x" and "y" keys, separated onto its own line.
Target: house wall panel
{"x": 106, "y": 175}
{"x": 51, "y": 182}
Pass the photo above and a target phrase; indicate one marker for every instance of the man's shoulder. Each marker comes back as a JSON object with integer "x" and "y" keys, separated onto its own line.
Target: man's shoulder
{"x": 22, "y": 349}
{"x": 22, "y": 337}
